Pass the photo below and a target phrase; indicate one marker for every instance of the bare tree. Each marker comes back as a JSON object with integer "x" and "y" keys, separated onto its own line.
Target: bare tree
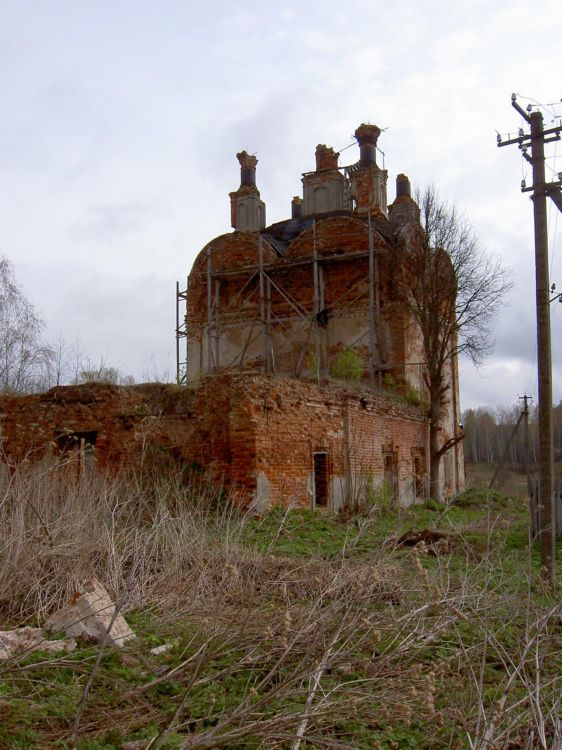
{"x": 453, "y": 289}
{"x": 24, "y": 357}
{"x": 90, "y": 372}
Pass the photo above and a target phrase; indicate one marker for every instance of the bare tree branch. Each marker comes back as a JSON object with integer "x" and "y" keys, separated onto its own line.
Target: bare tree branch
{"x": 452, "y": 289}
{"x": 24, "y": 357}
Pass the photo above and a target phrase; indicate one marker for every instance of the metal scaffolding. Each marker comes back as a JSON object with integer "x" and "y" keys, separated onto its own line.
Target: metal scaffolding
{"x": 290, "y": 328}
{"x": 181, "y": 334}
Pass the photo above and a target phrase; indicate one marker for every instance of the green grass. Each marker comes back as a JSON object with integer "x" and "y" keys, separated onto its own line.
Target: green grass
{"x": 310, "y": 534}
{"x": 268, "y": 606}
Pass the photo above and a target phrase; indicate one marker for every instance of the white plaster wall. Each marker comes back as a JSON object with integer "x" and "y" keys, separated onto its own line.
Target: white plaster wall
{"x": 262, "y": 495}
{"x": 336, "y": 493}
{"x": 324, "y": 196}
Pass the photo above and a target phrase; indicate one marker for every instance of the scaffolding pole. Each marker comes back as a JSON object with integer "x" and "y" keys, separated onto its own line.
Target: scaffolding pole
{"x": 322, "y": 330}
{"x": 217, "y": 323}
{"x": 262, "y": 306}
{"x": 209, "y": 313}
{"x": 181, "y": 333}
{"x": 381, "y": 349}
{"x": 270, "y": 355}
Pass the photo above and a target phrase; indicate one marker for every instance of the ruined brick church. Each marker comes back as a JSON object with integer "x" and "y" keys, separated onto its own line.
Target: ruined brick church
{"x": 309, "y": 307}
{"x": 303, "y": 379}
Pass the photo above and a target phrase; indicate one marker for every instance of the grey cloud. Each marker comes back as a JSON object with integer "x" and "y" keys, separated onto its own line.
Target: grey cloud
{"x": 113, "y": 221}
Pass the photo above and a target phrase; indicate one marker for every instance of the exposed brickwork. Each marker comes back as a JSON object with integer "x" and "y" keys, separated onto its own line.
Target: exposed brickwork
{"x": 285, "y": 302}
{"x": 239, "y": 429}
{"x": 326, "y": 157}
{"x": 292, "y": 420}
{"x": 121, "y": 419}
{"x": 291, "y": 299}
{"x": 345, "y": 290}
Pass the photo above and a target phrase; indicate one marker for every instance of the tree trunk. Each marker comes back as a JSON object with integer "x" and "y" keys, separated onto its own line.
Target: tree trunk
{"x": 434, "y": 447}
{"x": 434, "y": 464}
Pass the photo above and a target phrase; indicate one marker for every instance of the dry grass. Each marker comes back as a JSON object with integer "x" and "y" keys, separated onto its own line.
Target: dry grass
{"x": 148, "y": 539}
{"x": 367, "y": 646}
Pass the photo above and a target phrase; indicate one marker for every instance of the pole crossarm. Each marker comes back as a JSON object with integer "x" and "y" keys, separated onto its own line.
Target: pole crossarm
{"x": 519, "y": 108}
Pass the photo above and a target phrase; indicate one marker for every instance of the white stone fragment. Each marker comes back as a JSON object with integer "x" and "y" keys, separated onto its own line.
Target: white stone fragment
{"x": 165, "y": 647}
{"x": 89, "y": 616}
{"x": 55, "y": 647}
{"x": 25, "y": 640}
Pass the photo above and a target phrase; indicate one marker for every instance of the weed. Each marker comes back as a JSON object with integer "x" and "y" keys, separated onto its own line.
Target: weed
{"x": 349, "y": 365}
{"x": 413, "y": 396}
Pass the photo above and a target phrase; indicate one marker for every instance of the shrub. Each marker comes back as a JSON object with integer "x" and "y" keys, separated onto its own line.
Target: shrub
{"x": 388, "y": 380}
{"x": 349, "y": 365}
{"x": 413, "y": 396}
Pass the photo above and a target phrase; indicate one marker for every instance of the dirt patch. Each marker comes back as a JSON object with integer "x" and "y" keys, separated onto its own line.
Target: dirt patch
{"x": 435, "y": 542}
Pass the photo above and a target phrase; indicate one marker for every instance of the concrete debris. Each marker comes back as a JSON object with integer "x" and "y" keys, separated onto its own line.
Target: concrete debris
{"x": 89, "y": 615}
{"x": 25, "y": 640}
{"x": 164, "y": 648}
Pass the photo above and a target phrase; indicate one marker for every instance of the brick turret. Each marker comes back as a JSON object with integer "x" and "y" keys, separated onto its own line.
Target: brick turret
{"x": 324, "y": 189}
{"x": 247, "y": 210}
{"x": 368, "y": 181}
{"x": 404, "y": 210}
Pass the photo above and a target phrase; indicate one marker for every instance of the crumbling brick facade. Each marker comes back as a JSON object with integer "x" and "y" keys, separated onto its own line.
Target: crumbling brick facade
{"x": 271, "y": 439}
{"x": 320, "y": 295}
{"x": 112, "y": 425}
{"x": 303, "y": 365}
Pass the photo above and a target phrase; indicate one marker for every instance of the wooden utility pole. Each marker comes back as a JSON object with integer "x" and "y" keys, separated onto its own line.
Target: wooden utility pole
{"x": 540, "y": 189}
{"x": 505, "y": 456}
{"x": 526, "y": 400}
{"x": 527, "y": 453}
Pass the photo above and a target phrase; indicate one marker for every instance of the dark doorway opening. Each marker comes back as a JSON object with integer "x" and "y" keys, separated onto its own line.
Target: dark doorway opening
{"x": 419, "y": 477}
{"x": 78, "y": 445}
{"x": 321, "y": 479}
{"x": 70, "y": 441}
{"x": 391, "y": 474}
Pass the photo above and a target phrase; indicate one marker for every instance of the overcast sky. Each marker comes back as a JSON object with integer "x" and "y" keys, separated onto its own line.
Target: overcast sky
{"x": 120, "y": 121}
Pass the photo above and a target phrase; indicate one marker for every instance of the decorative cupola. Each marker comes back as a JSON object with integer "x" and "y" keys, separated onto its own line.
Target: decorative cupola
{"x": 404, "y": 210}
{"x": 324, "y": 189}
{"x": 247, "y": 210}
{"x": 296, "y": 207}
{"x": 368, "y": 181}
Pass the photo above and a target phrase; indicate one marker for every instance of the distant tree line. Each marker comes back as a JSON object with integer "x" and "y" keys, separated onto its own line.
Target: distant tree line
{"x": 29, "y": 363}
{"x": 488, "y": 431}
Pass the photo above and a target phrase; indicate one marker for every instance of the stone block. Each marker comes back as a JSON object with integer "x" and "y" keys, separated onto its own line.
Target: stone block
{"x": 25, "y": 640}
{"x": 89, "y": 616}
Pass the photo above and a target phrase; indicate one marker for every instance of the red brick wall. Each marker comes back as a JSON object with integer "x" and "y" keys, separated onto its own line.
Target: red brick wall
{"x": 234, "y": 427}
{"x": 346, "y": 296}
{"x": 278, "y": 424}
{"x": 125, "y": 420}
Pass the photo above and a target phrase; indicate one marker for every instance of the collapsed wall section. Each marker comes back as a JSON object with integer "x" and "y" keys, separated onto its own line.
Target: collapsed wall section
{"x": 96, "y": 422}
{"x": 151, "y": 425}
{"x": 272, "y": 440}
